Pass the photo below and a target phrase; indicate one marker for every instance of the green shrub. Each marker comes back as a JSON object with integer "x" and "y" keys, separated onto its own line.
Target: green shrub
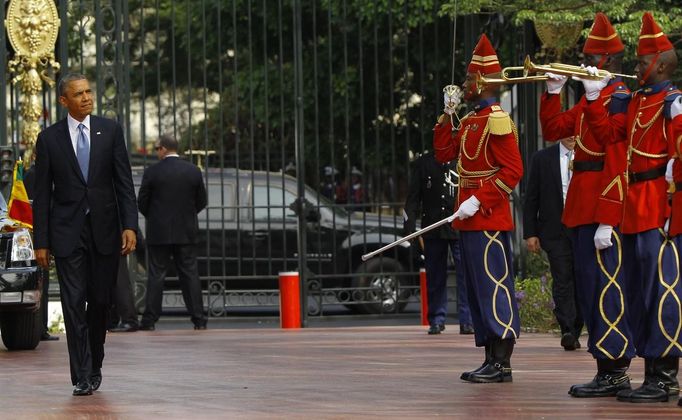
{"x": 534, "y": 296}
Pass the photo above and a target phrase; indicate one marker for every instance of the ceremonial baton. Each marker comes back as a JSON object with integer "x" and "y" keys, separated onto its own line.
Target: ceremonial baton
{"x": 420, "y": 232}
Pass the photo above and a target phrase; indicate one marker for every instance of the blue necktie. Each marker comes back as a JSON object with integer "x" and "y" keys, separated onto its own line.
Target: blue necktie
{"x": 83, "y": 151}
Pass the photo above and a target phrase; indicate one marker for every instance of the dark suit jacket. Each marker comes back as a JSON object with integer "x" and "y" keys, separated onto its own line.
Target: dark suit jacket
{"x": 544, "y": 203}
{"x": 171, "y": 195}
{"x": 61, "y": 195}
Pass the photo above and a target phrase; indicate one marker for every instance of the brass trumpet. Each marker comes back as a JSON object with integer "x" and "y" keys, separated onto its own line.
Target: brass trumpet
{"x": 532, "y": 72}
{"x": 567, "y": 70}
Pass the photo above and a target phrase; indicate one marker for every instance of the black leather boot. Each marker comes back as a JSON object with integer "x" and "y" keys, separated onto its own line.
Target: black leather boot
{"x": 465, "y": 376}
{"x": 660, "y": 382}
{"x": 610, "y": 379}
{"x": 498, "y": 369}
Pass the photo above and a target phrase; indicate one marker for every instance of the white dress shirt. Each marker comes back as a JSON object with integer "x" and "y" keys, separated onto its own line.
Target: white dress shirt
{"x": 565, "y": 156}
{"x": 73, "y": 130}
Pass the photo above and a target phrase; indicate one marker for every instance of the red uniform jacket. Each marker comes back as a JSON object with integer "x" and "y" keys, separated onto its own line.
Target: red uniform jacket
{"x": 489, "y": 165}
{"x": 586, "y": 185}
{"x": 639, "y": 122}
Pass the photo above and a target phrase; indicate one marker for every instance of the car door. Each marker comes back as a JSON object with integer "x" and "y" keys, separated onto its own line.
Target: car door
{"x": 271, "y": 237}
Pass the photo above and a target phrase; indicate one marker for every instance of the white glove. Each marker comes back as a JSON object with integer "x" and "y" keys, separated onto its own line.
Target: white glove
{"x": 669, "y": 171}
{"x": 555, "y": 82}
{"x": 602, "y": 237}
{"x": 468, "y": 208}
{"x": 452, "y": 97}
{"x": 666, "y": 227}
{"x": 676, "y": 107}
{"x": 593, "y": 87}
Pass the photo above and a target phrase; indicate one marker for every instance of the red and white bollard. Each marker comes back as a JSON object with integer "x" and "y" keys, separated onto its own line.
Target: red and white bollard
{"x": 423, "y": 291}
{"x": 289, "y": 300}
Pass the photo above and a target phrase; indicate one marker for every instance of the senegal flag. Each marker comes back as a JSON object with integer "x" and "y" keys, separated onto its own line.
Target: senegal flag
{"x": 19, "y": 208}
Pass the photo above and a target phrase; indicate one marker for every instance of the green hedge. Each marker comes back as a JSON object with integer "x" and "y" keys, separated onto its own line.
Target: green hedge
{"x": 534, "y": 296}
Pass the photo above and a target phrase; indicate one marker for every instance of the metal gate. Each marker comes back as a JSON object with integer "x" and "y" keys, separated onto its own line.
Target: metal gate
{"x": 304, "y": 116}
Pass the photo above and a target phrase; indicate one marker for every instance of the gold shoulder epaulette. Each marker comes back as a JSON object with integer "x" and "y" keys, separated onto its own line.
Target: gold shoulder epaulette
{"x": 499, "y": 122}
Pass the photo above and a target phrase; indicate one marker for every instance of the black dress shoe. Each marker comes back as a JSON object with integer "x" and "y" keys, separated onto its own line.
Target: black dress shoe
{"x": 436, "y": 329}
{"x": 568, "y": 341}
{"x": 200, "y": 327}
{"x": 82, "y": 388}
{"x": 466, "y": 329}
{"x": 96, "y": 380}
{"x": 147, "y": 327}
{"x": 47, "y": 337}
{"x": 126, "y": 327}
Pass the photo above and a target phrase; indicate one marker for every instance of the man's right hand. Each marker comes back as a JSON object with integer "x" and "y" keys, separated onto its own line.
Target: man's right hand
{"x": 555, "y": 82}
{"x": 602, "y": 237}
{"x": 533, "y": 244}
{"x": 43, "y": 257}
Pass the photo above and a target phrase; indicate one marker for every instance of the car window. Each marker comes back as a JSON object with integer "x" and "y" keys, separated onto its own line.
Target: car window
{"x": 272, "y": 203}
{"x": 220, "y": 202}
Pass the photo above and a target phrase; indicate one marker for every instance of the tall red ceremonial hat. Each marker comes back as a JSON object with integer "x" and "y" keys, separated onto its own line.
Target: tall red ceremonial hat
{"x": 603, "y": 39}
{"x": 652, "y": 40}
{"x": 485, "y": 58}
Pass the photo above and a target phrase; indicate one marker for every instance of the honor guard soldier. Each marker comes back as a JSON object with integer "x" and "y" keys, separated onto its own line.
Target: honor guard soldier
{"x": 650, "y": 259}
{"x": 676, "y": 177}
{"x": 485, "y": 145}
{"x": 599, "y": 282}
{"x": 432, "y": 192}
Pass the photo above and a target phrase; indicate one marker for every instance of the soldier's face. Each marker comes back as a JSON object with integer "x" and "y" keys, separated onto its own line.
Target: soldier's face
{"x": 592, "y": 60}
{"x": 471, "y": 92}
{"x": 642, "y": 68}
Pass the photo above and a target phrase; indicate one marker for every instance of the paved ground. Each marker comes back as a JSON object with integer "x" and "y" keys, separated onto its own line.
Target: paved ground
{"x": 331, "y": 372}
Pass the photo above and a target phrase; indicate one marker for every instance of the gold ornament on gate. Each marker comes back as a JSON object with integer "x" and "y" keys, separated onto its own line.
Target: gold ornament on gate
{"x": 32, "y": 28}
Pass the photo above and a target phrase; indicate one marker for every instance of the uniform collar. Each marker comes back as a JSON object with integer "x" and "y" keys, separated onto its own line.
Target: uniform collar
{"x": 615, "y": 80}
{"x": 656, "y": 88}
{"x": 484, "y": 103}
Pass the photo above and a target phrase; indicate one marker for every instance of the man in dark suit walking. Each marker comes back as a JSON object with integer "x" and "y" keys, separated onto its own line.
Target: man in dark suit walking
{"x": 171, "y": 195}
{"x": 84, "y": 212}
{"x": 550, "y": 174}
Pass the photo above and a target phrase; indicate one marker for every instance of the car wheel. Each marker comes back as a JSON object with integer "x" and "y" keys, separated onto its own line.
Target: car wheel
{"x": 379, "y": 286}
{"x": 21, "y": 330}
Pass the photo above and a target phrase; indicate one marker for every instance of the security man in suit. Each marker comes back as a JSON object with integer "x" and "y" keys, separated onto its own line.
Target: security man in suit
{"x": 548, "y": 182}
{"x": 171, "y": 194}
{"x": 432, "y": 192}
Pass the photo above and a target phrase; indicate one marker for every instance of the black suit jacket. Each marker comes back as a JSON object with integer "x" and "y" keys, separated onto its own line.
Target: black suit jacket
{"x": 544, "y": 204}
{"x": 171, "y": 195}
{"x": 61, "y": 195}
{"x": 431, "y": 196}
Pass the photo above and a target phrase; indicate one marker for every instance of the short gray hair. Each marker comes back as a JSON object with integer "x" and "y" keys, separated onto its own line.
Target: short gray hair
{"x": 68, "y": 78}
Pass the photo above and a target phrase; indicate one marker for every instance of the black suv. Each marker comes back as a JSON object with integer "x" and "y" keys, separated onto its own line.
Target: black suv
{"x": 248, "y": 234}
{"x": 21, "y": 285}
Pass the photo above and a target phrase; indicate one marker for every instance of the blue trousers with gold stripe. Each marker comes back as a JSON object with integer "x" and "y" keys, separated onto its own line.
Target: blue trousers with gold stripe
{"x": 600, "y": 284}
{"x": 487, "y": 260}
{"x": 654, "y": 290}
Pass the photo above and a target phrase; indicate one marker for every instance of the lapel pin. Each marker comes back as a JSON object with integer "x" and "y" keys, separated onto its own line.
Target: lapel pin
{"x": 99, "y": 132}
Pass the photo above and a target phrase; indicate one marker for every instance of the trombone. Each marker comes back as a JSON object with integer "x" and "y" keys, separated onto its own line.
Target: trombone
{"x": 538, "y": 74}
